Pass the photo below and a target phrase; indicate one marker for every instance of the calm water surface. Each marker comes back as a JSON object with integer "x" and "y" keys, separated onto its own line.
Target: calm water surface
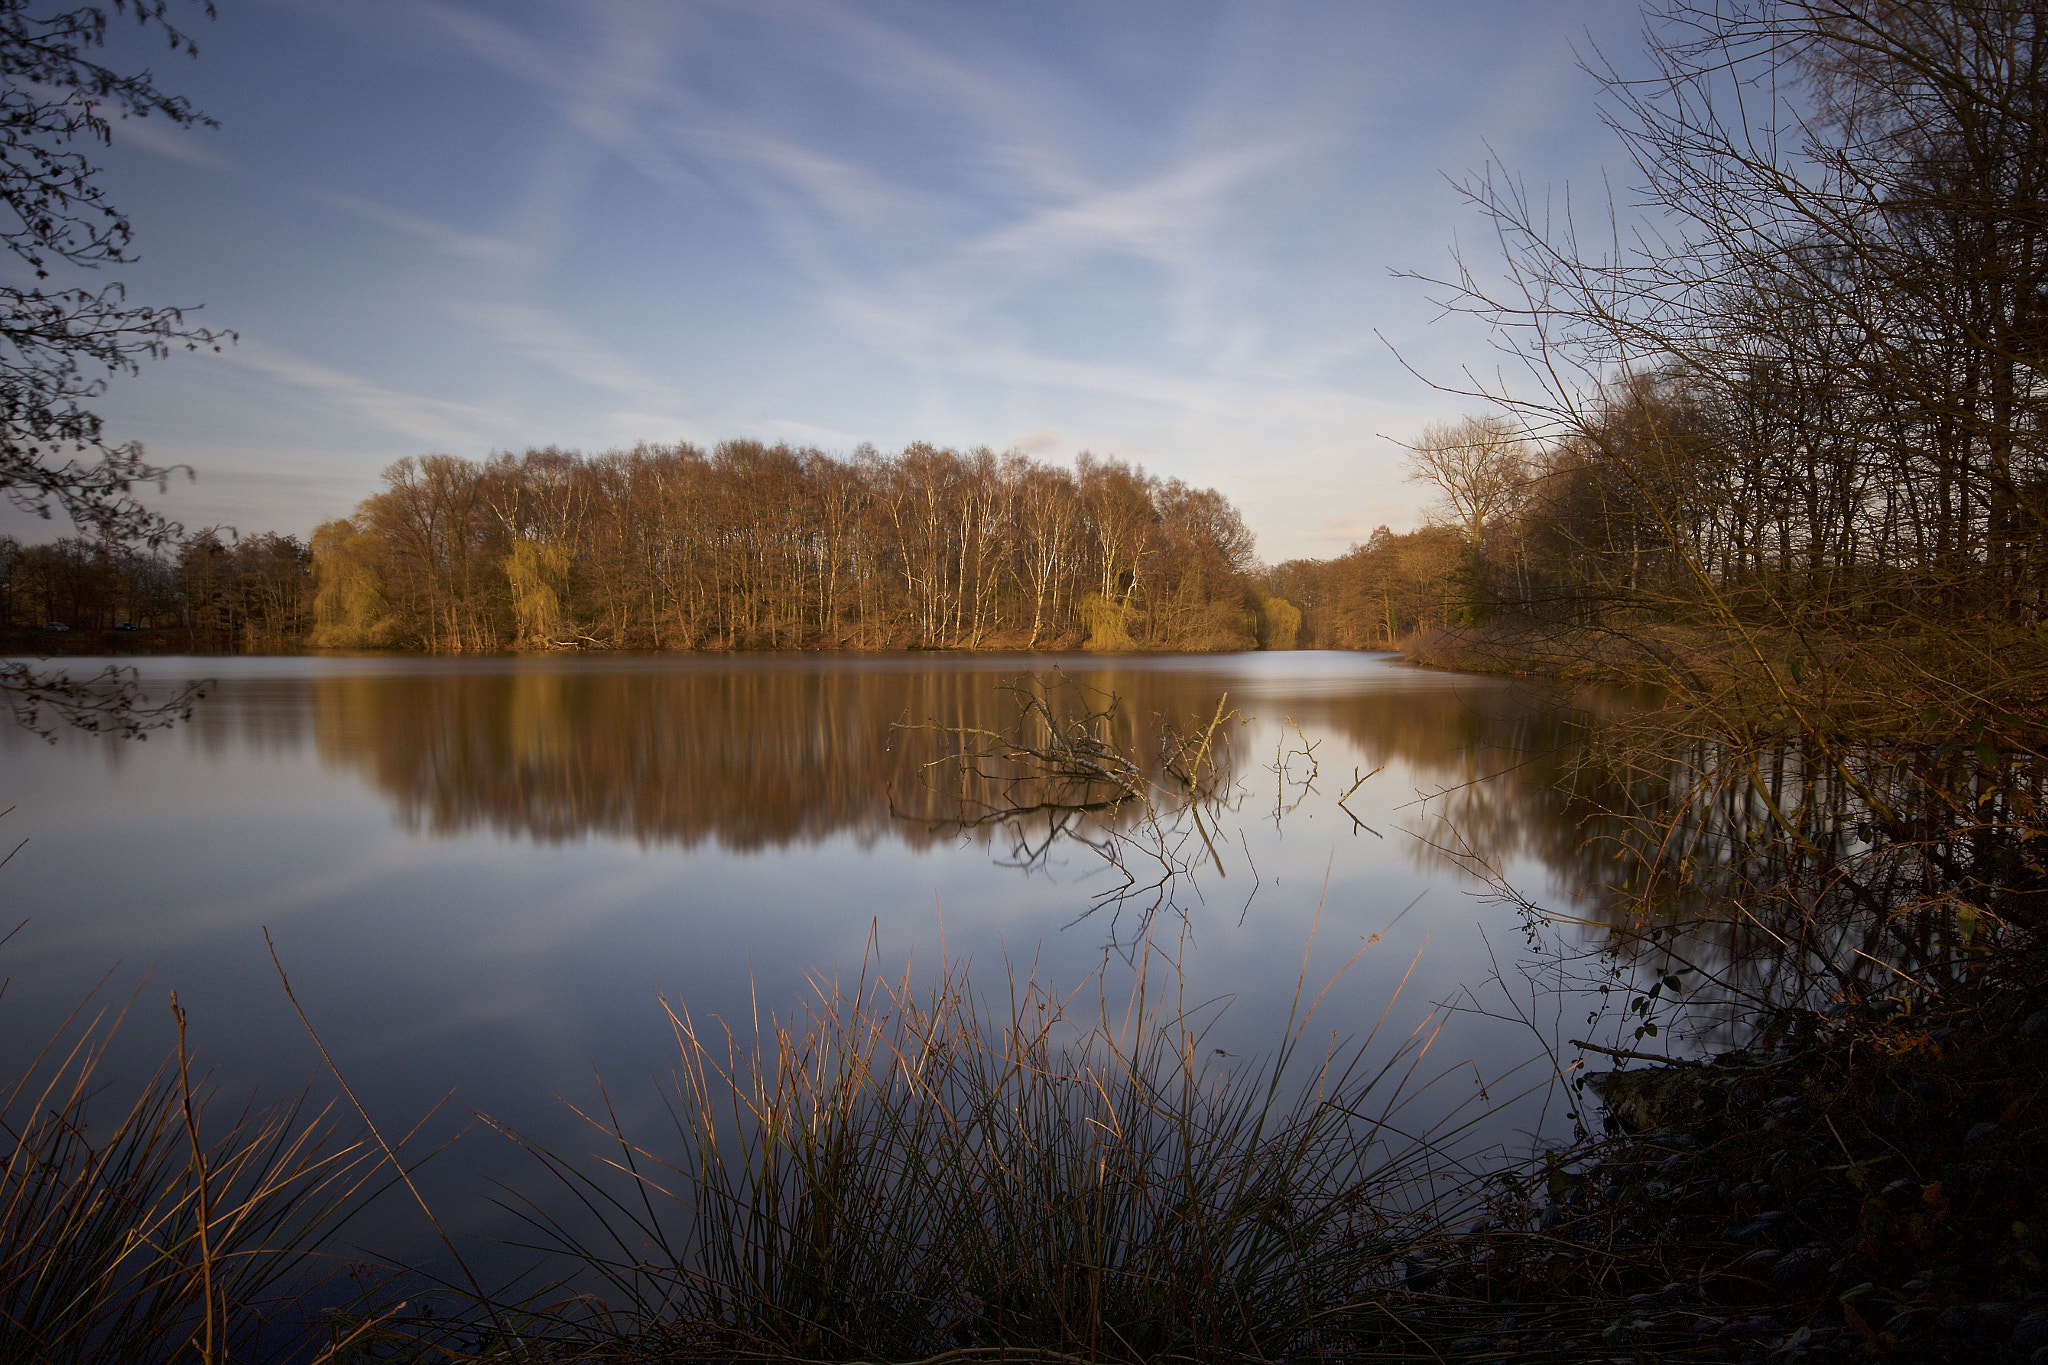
{"x": 483, "y": 875}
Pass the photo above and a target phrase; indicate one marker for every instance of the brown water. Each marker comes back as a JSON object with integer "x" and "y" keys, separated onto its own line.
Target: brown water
{"x": 481, "y": 874}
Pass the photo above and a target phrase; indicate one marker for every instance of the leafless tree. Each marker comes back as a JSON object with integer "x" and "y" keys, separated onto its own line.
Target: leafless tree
{"x": 1793, "y": 415}
{"x": 1479, "y": 465}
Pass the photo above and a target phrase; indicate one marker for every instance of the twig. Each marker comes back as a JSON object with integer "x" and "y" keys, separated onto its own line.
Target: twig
{"x": 1623, "y": 1054}
{"x": 205, "y": 1195}
{"x": 1356, "y": 823}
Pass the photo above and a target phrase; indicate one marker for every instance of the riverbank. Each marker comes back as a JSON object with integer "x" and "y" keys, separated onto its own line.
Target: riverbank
{"x": 1862, "y": 1179}
{"x": 1520, "y": 650}
{"x": 1640, "y": 653}
{"x": 1862, "y": 1182}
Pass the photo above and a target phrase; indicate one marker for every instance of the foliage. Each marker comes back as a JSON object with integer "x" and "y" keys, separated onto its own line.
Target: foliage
{"x": 755, "y": 546}
{"x": 1279, "y": 623}
{"x": 209, "y": 590}
{"x": 1378, "y": 594}
{"x": 349, "y": 610}
{"x": 538, "y": 575}
{"x": 1105, "y": 622}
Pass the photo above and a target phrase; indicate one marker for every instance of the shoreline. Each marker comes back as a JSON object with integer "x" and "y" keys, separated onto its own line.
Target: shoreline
{"x": 1863, "y": 1182}
{"x": 111, "y": 644}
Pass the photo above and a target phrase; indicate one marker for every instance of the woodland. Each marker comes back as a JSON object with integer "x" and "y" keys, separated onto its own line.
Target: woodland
{"x": 665, "y": 547}
{"x": 748, "y": 546}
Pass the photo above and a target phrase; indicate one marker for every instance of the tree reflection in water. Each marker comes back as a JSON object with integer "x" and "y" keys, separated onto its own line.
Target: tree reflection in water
{"x": 1752, "y": 876}
{"x": 760, "y": 758}
{"x": 1756, "y": 877}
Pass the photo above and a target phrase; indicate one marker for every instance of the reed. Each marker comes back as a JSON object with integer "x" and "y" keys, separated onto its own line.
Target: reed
{"x": 901, "y": 1173}
{"x": 140, "y": 1232}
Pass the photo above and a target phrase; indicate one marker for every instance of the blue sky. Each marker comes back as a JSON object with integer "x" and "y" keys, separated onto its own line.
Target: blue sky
{"x": 1159, "y": 231}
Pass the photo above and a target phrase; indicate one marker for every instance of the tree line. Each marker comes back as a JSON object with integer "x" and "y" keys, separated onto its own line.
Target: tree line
{"x": 207, "y": 591}
{"x": 1813, "y": 396}
{"x": 671, "y": 547}
{"x": 751, "y": 545}
{"x": 1379, "y": 594}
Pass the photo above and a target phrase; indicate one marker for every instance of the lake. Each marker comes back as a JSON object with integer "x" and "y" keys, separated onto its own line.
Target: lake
{"x": 484, "y": 876}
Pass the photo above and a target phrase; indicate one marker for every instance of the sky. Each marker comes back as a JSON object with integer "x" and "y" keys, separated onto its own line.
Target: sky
{"x": 1171, "y": 233}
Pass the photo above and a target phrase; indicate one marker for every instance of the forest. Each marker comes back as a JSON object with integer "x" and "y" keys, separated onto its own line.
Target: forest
{"x": 668, "y": 547}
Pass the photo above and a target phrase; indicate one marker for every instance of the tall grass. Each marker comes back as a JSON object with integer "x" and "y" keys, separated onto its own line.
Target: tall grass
{"x": 136, "y": 1231}
{"x": 900, "y": 1173}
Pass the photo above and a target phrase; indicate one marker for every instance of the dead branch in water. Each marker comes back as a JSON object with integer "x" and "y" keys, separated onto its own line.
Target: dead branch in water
{"x": 1059, "y": 773}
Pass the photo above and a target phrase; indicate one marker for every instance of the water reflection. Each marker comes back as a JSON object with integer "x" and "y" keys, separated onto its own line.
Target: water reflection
{"x": 774, "y": 753}
{"x": 769, "y": 758}
{"x": 480, "y": 871}
{"x": 487, "y": 867}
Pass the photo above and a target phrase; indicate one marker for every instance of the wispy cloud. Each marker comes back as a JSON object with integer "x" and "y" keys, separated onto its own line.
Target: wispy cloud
{"x": 556, "y": 342}
{"x": 433, "y": 422}
{"x": 1154, "y": 217}
{"x": 852, "y": 220}
{"x": 1018, "y": 123}
{"x": 453, "y": 242}
{"x": 165, "y": 139}
{"x": 850, "y": 195}
{"x": 604, "y": 90}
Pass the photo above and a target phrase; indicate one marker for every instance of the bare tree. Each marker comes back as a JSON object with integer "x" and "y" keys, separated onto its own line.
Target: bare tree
{"x": 1479, "y": 464}
{"x": 60, "y": 345}
{"x": 1836, "y": 288}
{"x": 1794, "y": 418}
